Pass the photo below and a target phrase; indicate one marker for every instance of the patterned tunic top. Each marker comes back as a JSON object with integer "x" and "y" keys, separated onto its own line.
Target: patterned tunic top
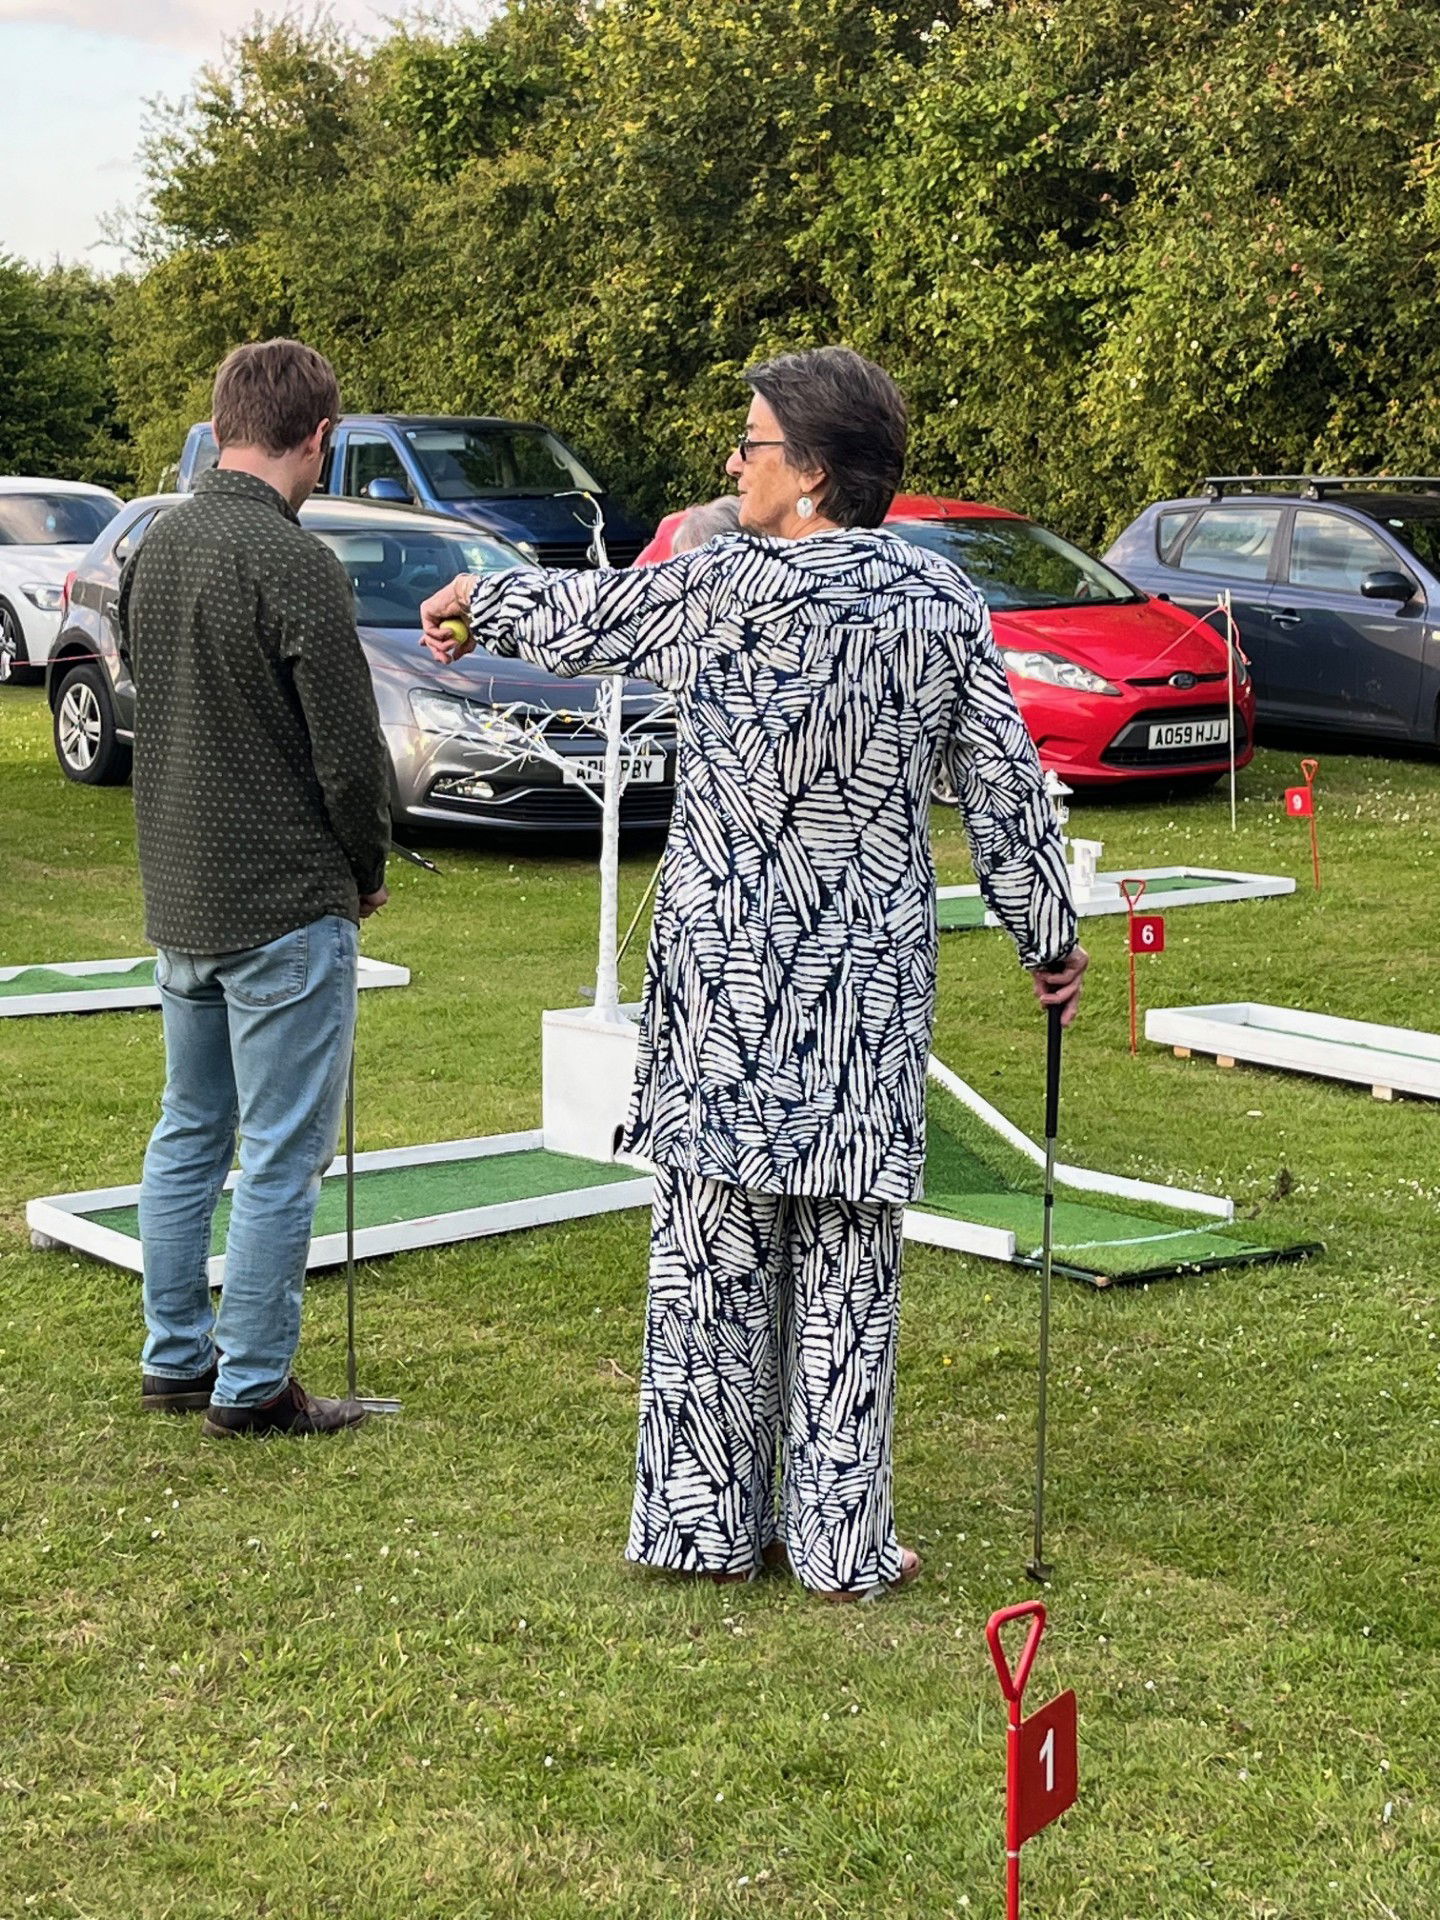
{"x": 790, "y": 987}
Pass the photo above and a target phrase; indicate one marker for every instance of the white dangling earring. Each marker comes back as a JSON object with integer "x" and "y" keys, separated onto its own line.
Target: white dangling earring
{"x": 804, "y": 506}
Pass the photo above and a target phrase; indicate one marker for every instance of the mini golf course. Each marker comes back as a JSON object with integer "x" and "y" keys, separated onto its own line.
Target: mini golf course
{"x": 406, "y": 1197}
{"x": 983, "y": 1191}
{"x": 101, "y": 986}
{"x": 982, "y": 1196}
{"x": 1388, "y": 1060}
{"x": 962, "y": 909}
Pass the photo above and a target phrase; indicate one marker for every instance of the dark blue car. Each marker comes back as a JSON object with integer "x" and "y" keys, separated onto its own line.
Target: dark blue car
{"x": 1334, "y": 585}
{"x": 513, "y": 478}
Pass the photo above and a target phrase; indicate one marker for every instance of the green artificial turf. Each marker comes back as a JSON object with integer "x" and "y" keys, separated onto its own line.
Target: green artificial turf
{"x": 384, "y": 1195}
{"x": 971, "y": 1174}
{"x": 48, "y": 980}
{"x": 408, "y": 1676}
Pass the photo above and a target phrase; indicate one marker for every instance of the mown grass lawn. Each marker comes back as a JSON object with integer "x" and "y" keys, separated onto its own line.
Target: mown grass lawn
{"x": 408, "y": 1674}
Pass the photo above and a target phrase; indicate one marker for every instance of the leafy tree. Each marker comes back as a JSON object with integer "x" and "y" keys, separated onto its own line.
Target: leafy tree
{"x": 58, "y": 413}
{"x": 1106, "y": 245}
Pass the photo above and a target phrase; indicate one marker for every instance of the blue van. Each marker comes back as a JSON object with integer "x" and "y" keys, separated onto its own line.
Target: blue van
{"x": 513, "y": 478}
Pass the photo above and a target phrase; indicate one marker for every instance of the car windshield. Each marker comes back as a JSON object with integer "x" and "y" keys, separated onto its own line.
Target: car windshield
{"x": 466, "y": 460}
{"x": 392, "y": 572}
{"x": 53, "y": 519}
{"x": 1018, "y": 566}
{"x": 1419, "y": 532}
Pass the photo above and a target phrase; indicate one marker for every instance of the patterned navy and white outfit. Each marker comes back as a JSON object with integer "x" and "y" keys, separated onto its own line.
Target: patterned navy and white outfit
{"x": 789, "y": 999}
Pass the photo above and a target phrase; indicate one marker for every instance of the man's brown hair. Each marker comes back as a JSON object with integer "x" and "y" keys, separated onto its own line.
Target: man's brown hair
{"x": 273, "y": 394}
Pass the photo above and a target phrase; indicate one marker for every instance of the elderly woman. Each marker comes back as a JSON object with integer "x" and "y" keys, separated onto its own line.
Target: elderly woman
{"x": 823, "y": 671}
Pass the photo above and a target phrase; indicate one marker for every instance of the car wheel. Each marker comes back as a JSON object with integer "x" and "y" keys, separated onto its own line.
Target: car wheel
{"x": 85, "y": 741}
{"x": 15, "y": 668}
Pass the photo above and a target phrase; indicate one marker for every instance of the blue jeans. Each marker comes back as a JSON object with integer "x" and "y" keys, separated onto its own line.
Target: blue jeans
{"x": 257, "y": 1041}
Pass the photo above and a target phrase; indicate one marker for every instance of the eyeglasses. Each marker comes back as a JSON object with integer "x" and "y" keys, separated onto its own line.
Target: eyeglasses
{"x": 745, "y": 445}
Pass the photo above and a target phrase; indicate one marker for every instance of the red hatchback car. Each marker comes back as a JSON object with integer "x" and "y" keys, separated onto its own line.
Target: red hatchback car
{"x": 1114, "y": 684}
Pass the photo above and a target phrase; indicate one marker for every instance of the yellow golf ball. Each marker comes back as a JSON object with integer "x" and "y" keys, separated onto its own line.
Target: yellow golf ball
{"x": 458, "y": 631}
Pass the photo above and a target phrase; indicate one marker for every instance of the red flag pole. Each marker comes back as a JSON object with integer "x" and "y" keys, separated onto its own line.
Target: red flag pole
{"x": 1310, "y": 768}
{"x": 1132, "y": 901}
{"x": 1012, "y": 1685}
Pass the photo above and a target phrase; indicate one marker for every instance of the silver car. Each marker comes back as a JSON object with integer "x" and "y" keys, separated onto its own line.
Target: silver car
{"x": 484, "y": 742}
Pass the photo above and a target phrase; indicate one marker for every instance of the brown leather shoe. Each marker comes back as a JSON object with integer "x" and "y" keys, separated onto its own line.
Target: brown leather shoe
{"x": 291, "y": 1411}
{"x": 160, "y": 1394}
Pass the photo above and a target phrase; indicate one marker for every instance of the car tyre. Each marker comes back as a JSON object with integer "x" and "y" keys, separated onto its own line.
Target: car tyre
{"x": 15, "y": 667}
{"x": 86, "y": 744}
{"x": 1193, "y": 783}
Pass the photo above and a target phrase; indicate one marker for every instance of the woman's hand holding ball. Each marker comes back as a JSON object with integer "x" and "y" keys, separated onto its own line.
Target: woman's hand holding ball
{"x": 445, "y": 627}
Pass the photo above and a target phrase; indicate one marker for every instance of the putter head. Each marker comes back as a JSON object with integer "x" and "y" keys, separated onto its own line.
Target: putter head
{"x": 1040, "y": 1571}
{"x": 379, "y": 1406}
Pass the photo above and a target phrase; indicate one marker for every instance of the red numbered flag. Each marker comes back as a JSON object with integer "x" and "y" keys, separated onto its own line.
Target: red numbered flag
{"x": 1047, "y": 1774}
{"x": 1300, "y": 802}
{"x": 1147, "y": 933}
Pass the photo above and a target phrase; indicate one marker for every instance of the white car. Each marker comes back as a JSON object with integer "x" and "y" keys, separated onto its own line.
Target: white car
{"x": 45, "y": 527}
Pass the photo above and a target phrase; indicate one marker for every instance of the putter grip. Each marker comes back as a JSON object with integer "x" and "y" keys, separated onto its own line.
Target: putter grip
{"x": 1052, "y": 1073}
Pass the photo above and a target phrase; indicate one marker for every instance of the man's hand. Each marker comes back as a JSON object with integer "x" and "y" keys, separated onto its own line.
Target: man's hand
{"x": 450, "y": 603}
{"x": 372, "y": 902}
{"x": 1059, "y": 985}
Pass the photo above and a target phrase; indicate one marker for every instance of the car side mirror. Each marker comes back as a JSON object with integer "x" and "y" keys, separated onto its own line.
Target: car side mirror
{"x": 388, "y": 488}
{"x": 1388, "y": 583}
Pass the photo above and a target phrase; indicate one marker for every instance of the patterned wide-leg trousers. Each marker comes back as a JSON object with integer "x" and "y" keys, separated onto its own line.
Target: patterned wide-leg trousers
{"x": 767, "y": 1391}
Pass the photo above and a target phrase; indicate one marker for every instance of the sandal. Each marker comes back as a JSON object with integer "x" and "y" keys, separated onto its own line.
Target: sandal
{"x": 909, "y": 1571}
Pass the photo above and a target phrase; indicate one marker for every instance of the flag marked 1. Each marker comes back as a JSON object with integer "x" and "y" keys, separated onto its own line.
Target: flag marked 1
{"x": 1042, "y": 1766}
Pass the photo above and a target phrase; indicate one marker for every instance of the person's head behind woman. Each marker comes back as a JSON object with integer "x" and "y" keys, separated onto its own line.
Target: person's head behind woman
{"x": 705, "y": 523}
{"x": 824, "y": 444}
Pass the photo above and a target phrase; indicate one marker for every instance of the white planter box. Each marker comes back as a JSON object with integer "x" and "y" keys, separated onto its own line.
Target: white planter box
{"x": 587, "y": 1072}
{"x": 1388, "y": 1060}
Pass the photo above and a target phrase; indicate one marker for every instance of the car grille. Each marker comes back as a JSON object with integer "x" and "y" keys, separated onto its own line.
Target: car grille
{"x": 567, "y": 724}
{"x": 565, "y": 553}
{"x": 1164, "y": 679}
{"x": 564, "y": 808}
{"x": 1131, "y": 746}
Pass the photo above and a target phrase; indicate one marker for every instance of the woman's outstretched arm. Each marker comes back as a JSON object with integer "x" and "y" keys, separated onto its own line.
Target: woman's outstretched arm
{"x": 660, "y": 622}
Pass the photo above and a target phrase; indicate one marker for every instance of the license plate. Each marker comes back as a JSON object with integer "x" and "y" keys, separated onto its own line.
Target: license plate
{"x": 1189, "y": 733}
{"x": 647, "y": 769}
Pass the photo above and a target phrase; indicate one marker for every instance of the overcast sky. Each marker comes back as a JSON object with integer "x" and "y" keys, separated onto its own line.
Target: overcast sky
{"x": 73, "y": 88}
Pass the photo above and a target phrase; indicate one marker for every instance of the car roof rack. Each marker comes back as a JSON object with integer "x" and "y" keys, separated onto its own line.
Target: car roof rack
{"x": 1314, "y": 486}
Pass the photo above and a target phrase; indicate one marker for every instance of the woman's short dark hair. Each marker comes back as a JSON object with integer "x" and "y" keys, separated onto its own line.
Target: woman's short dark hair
{"x": 840, "y": 412}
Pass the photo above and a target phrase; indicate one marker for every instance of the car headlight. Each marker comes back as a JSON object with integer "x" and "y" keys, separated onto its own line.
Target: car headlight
{"x": 437, "y": 712}
{"x": 1055, "y": 670}
{"x": 48, "y": 599}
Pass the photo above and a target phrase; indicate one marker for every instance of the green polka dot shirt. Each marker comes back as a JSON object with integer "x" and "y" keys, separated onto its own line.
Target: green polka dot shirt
{"x": 261, "y": 780}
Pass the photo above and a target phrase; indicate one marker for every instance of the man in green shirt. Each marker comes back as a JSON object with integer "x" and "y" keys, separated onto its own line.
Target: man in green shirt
{"x": 261, "y": 807}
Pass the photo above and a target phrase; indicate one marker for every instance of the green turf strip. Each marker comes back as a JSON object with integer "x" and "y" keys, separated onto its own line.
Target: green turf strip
{"x": 971, "y": 1174}
{"x": 386, "y": 1195}
{"x": 48, "y": 980}
{"x": 959, "y": 916}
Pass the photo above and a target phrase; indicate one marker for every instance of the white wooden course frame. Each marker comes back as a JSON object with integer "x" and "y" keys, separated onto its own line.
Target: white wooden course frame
{"x": 995, "y": 1243}
{"x": 1105, "y": 896}
{"x": 372, "y": 973}
{"x": 1388, "y": 1060}
{"x": 63, "y": 1219}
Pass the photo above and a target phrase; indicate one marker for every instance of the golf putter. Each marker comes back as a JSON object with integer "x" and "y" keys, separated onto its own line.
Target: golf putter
{"x": 370, "y": 1406}
{"x": 1038, "y": 1568}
